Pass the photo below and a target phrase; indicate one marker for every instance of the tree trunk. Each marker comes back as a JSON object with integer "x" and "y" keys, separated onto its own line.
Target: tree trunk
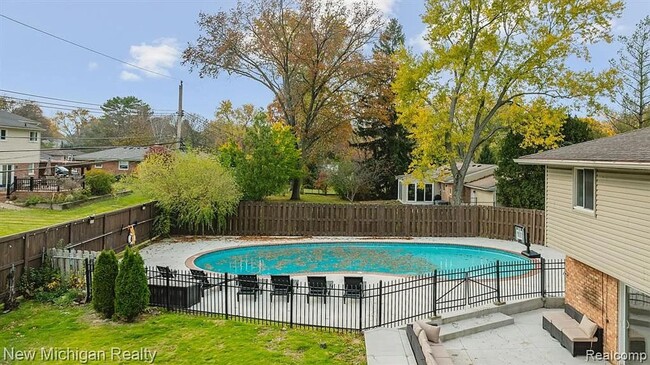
{"x": 459, "y": 187}
{"x": 295, "y": 189}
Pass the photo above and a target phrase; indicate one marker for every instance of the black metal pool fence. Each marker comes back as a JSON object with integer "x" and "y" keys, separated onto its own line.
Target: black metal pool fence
{"x": 351, "y": 305}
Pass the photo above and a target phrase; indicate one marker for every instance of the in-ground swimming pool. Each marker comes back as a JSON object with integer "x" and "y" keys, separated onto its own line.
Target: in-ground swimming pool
{"x": 375, "y": 257}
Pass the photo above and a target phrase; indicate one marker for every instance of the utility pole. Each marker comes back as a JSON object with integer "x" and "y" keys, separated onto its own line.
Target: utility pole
{"x": 179, "y": 118}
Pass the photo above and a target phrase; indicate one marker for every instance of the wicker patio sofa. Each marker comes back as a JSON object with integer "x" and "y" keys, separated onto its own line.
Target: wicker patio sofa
{"x": 575, "y": 331}
{"x": 426, "y": 351}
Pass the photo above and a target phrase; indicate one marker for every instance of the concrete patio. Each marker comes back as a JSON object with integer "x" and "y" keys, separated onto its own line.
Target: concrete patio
{"x": 522, "y": 343}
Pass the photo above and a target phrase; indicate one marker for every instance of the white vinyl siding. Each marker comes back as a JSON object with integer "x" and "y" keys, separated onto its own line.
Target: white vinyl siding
{"x": 616, "y": 238}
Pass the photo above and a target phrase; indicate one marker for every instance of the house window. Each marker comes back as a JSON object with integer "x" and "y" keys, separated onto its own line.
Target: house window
{"x": 421, "y": 194}
{"x": 99, "y": 165}
{"x": 428, "y": 192}
{"x": 3, "y": 134}
{"x": 585, "y": 187}
{"x": 123, "y": 165}
{"x": 411, "y": 193}
{"x": 31, "y": 169}
{"x": 33, "y": 136}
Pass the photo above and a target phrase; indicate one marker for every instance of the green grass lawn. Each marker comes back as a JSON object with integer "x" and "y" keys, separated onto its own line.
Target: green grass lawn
{"x": 16, "y": 221}
{"x": 177, "y": 338}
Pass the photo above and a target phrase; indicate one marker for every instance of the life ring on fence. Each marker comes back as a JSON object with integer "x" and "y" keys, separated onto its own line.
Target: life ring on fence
{"x": 130, "y": 239}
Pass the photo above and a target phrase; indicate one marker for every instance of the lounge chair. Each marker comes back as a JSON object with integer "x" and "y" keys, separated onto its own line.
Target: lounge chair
{"x": 318, "y": 287}
{"x": 282, "y": 285}
{"x": 166, "y": 272}
{"x": 353, "y": 287}
{"x": 204, "y": 280}
{"x": 248, "y": 285}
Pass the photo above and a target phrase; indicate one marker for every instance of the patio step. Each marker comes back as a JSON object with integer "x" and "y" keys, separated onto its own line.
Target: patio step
{"x": 470, "y": 326}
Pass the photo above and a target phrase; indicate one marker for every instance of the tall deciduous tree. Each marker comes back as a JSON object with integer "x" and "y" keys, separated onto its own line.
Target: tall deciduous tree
{"x": 375, "y": 119}
{"x": 73, "y": 124}
{"x": 305, "y": 52}
{"x": 33, "y": 111}
{"x": 486, "y": 60}
{"x": 633, "y": 65}
{"x": 229, "y": 123}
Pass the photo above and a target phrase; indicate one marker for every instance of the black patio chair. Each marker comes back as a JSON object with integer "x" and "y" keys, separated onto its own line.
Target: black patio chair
{"x": 282, "y": 285}
{"x": 318, "y": 287}
{"x": 354, "y": 286}
{"x": 204, "y": 280}
{"x": 166, "y": 272}
{"x": 248, "y": 285}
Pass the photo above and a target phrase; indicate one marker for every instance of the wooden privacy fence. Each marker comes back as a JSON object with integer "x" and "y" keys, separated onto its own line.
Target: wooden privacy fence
{"x": 305, "y": 219}
{"x": 93, "y": 233}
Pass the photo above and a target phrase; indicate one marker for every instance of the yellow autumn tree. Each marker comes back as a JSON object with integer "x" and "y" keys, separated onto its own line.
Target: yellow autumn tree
{"x": 496, "y": 65}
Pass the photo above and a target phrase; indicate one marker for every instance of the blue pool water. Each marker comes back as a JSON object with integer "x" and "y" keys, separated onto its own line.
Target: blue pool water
{"x": 371, "y": 257}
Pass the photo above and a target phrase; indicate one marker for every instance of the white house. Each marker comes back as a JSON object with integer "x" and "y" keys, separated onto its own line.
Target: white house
{"x": 438, "y": 188}
{"x": 20, "y": 147}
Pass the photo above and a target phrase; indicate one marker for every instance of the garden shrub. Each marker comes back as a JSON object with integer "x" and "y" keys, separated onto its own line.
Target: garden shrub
{"x": 45, "y": 284}
{"x": 106, "y": 270}
{"x": 99, "y": 182}
{"x": 131, "y": 289}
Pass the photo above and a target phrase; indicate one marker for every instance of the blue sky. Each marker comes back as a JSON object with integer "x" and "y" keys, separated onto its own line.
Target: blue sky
{"x": 152, "y": 34}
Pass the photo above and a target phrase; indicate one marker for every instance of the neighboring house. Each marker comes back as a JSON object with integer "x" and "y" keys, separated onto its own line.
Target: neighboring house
{"x": 598, "y": 214}
{"x": 57, "y": 157}
{"x": 117, "y": 161}
{"x": 20, "y": 146}
{"x": 480, "y": 187}
{"x": 411, "y": 190}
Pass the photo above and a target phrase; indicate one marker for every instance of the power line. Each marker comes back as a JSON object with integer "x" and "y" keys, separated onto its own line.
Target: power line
{"x": 86, "y": 48}
{"x": 86, "y": 147}
{"x": 64, "y": 100}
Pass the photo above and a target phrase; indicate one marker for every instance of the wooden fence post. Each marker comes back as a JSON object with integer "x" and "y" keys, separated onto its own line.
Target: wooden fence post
{"x": 25, "y": 251}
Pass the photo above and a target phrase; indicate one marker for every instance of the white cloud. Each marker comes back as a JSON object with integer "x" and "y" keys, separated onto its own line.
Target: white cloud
{"x": 129, "y": 76}
{"x": 386, "y": 7}
{"x": 159, "y": 56}
{"x": 92, "y": 66}
{"x": 418, "y": 42}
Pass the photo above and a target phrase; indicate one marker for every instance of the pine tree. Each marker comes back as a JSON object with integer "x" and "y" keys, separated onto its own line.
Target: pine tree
{"x": 385, "y": 141}
{"x": 486, "y": 156}
{"x": 106, "y": 269}
{"x": 131, "y": 288}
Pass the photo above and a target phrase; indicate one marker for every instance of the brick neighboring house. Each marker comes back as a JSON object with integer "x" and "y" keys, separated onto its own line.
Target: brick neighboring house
{"x": 117, "y": 161}
{"x": 598, "y": 214}
{"x": 20, "y": 146}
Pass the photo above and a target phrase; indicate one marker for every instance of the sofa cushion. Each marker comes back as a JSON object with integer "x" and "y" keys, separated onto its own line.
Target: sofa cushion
{"x": 588, "y": 327}
{"x": 433, "y": 332}
{"x": 556, "y": 316}
{"x": 417, "y": 329}
{"x": 429, "y": 359}
{"x": 422, "y": 339}
{"x": 566, "y": 323}
{"x": 575, "y": 334}
{"x": 438, "y": 350}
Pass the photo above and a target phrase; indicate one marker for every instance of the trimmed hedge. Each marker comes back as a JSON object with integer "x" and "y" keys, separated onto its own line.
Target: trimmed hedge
{"x": 131, "y": 289}
{"x": 104, "y": 276}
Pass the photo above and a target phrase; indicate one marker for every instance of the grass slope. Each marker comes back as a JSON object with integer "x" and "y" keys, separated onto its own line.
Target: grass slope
{"x": 178, "y": 338}
{"x": 16, "y": 221}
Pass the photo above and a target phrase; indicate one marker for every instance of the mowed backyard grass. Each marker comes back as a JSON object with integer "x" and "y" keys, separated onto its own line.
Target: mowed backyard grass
{"x": 178, "y": 338}
{"x": 16, "y": 221}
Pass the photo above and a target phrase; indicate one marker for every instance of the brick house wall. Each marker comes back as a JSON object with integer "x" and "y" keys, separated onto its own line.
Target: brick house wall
{"x": 113, "y": 167}
{"x": 595, "y": 294}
